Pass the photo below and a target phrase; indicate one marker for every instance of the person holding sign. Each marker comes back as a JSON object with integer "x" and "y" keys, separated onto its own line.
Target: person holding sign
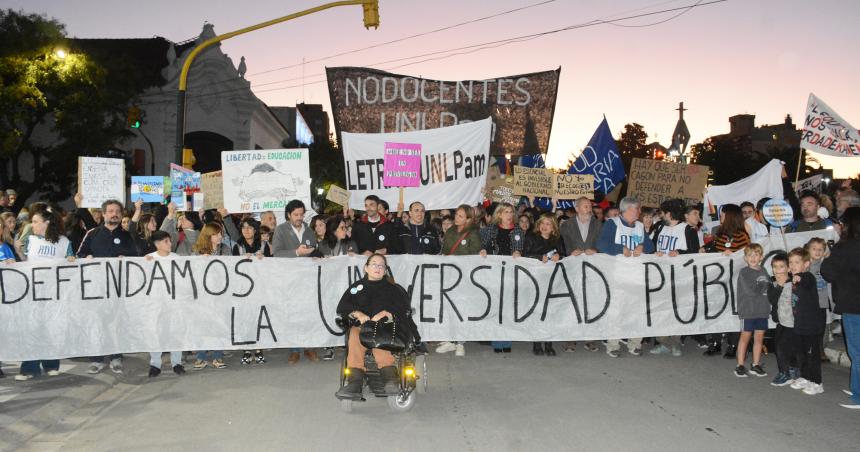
{"x": 373, "y": 233}
{"x": 625, "y": 235}
{"x": 674, "y": 237}
{"x": 108, "y": 240}
{"x": 504, "y": 238}
{"x": 44, "y": 243}
{"x": 544, "y": 243}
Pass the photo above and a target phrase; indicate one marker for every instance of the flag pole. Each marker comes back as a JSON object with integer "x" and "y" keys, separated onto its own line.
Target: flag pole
{"x": 797, "y": 173}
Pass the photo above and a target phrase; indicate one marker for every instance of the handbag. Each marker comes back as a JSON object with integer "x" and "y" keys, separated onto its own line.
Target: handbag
{"x": 386, "y": 335}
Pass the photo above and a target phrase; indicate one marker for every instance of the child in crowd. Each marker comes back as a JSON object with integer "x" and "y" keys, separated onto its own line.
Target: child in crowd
{"x": 753, "y": 309}
{"x": 808, "y": 322}
{"x": 161, "y": 241}
{"x": 817, "y": 249}
{"x": 780, "y": 297}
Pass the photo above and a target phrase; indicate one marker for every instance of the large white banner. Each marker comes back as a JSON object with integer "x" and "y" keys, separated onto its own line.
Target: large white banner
{"x": 102, "y": 306}
{"x": 825, "y": 132}
{"x": 265, "y": 179}
{"x": 454, "y": 162}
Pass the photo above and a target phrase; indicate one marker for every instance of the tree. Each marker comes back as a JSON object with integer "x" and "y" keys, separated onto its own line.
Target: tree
{"x": 55, "y": 107}
{"x": 632, "y": 143}
{"x": 326, "y": 168}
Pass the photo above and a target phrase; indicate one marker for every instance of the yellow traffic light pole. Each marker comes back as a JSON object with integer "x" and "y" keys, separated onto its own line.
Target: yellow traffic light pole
{"x": 371, "y": 19}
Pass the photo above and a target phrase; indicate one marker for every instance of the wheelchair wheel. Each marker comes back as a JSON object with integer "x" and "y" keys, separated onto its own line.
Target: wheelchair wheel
{"x": 399, "y": 404}
{"x": 346, "y": 405}
{"x": 421, "y": 371}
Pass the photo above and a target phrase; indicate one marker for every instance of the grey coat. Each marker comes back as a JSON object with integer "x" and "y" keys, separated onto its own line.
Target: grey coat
{"x": 573, "y": 239}
{"x": 285, "y": 242}
{"x": 184, "y": 248}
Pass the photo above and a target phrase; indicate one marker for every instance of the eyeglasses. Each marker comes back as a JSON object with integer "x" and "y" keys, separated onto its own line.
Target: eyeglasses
{"x": 377, "y": 266}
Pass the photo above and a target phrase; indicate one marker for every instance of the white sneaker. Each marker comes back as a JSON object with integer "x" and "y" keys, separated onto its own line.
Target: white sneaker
{"x": 446, "y": 347}
{"x": 116, "y": 365}
{"x": 800, "y": 383}
{"x": 850, "y": 406}
{"x": 95, "y": 368}
{"x": 676, "y": 351}
{"x": 53, "y": 373}
{"x": 460, "y": 351}
{"x": 813, "y": 388}
{"x": 23, "y": 377}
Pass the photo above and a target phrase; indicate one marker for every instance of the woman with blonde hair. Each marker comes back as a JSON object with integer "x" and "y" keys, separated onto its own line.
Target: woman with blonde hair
{"x": 544, "y": 243}
{"x": 503, "y": 237}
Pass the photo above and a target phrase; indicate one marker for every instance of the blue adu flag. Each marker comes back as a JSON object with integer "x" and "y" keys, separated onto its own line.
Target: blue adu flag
{"x": 602, "y": 159}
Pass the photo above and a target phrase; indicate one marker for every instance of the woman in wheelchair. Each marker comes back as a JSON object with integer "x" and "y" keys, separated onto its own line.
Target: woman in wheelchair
{"x": 374, "y": 297}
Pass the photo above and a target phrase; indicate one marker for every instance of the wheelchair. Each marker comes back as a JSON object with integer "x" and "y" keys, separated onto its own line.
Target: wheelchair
{"x": 411, "y": 366}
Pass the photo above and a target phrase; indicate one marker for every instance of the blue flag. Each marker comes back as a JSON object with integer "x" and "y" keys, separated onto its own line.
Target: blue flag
{"x": 602, "y": 159}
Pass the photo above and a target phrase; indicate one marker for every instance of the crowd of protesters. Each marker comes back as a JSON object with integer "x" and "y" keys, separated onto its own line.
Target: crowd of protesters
{"x": 797, "y": 296}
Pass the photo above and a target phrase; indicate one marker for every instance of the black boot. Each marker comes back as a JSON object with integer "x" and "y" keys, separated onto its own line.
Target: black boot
{"x": 352, "y": 390}
{"x": 537, "y": 349}
{"x": 392, "y": 380}
{"x": 547, "y": 346}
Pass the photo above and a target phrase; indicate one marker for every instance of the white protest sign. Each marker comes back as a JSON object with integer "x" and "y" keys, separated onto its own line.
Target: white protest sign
{"x": 453, "y": 165}
{"x": 338, "y": 195}
{"x": 101, "y": 179}
{"x": 825, "y": 132}
{"x": 261, "y": 180}
{"x": 103, "y": 306}
{"x": 809, "y": 184}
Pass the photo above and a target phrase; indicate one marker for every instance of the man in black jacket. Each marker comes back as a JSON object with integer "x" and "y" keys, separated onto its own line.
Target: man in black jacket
{"x": 373, "y": 233}
{"x": 417, "y": 236}
{"x": 108, "y": 240}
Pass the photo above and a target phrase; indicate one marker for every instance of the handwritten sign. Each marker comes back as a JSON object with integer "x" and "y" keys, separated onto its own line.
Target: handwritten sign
{"x": 574, "y": 186}
{"x": 401, "y": 165}
{"x": 212, "y": 185}
{"x": 778, "y": 212}
{"x": 654, "y": 181}
{"x": 503, "y": 192}
{"x": 338, "y": 195}
{"x": 101, "y": 179}
{"x": 147, "y": 188}
{"x": 533, "y": 182}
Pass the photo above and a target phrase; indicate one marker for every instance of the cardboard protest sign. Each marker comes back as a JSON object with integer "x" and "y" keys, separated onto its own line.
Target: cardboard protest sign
{"x": 338, "y": 195}
{"x": 101, "y": 179}
{"x": 261, "y": 180}
{"x": 502, "y": 191}
{"x": 147, "y": 188}
{"x": 654, "y": 181}
{"x": 212, "y": 185}
{"x": 365, "y": 100}
{"x": 184, "y": 183}
{"x": 826, "y": 132}
{"x": 533, "y": 182}
{"x": 401, "y": 165}
{"x": 574, "y": 186}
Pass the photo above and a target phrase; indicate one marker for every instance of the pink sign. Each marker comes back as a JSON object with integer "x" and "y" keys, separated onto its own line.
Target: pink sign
{"x": 402, "y": 165}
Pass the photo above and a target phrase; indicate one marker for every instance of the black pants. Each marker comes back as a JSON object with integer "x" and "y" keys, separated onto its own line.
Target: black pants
{"x": 809, "y": 347}
{"x": 786, "y": 348}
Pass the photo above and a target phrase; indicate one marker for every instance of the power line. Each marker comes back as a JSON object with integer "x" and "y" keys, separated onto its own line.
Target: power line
{"x": 465, "y": 50}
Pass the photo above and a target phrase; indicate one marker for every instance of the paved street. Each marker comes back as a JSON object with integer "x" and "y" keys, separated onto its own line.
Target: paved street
{"x": 579, "y": 401}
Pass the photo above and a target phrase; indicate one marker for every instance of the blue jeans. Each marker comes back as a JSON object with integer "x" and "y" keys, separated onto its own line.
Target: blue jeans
{"x": 498, "y": 345}
{"x": 34, "y": 368}
{"x": 155, "y": 359}
{"x": 851, "y": 329}
{"x": 216, "y": 354}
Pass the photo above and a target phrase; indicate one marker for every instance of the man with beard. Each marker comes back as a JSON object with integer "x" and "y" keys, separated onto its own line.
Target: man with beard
{"x": 810, "y": 221}
{"x": 373, "y": 233}
{"x": 108, "y": 240}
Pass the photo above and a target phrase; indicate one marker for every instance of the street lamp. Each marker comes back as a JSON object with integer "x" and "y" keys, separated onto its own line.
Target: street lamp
{"x": 370, "y": 16}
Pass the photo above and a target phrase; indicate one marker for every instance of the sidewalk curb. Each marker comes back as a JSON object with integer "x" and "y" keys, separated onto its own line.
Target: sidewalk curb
{"x": 83, "y": 389}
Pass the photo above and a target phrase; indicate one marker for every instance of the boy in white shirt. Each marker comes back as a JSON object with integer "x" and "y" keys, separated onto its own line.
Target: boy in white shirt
{"x": 163, "y": 245}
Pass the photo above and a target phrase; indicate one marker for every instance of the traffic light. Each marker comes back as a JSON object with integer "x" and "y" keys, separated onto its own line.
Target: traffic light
{"x": 133, "y": 117}
{"x": 188, "y": 159}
